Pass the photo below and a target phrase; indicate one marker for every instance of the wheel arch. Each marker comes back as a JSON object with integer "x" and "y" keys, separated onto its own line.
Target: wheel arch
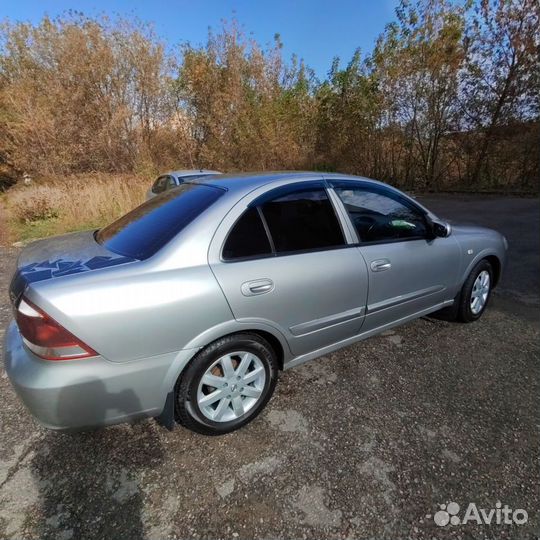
{"x": 270, "y": 333}
{"x": 273, "y": 341}
{"x": 274, "y": 338}
{"x": 489, "y": 256}
{"x": 496, "y": 265}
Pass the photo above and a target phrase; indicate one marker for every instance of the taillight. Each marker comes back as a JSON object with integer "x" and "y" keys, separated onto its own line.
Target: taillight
{"x": 46, "y": 338}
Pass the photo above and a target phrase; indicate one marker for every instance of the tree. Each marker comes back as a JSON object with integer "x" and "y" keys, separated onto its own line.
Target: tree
{"x": 247, "y": 108}
{"x": 348, "y": 117}
{"x": 80, "y": 94}
{"x": 416, "y": 63}
{"x": 500, "y": 83}
{"x": 449, "y": 97}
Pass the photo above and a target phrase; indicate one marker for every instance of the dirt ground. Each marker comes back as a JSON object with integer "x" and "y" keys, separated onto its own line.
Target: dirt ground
{"x": 365, "y": 443}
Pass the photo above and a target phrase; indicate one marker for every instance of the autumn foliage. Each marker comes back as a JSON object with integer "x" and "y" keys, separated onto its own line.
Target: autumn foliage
{"x": 448, "y": 99}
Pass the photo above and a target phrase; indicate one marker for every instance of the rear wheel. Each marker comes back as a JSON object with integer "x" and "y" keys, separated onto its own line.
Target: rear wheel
{"x": 226, "y": 385}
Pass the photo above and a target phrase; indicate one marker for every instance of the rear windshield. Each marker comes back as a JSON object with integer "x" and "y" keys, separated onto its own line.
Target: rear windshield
{"x": 146, "y": 229}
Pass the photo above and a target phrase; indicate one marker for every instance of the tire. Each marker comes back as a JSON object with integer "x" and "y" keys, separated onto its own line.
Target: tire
{"x": 215, "y": 410}
{"x": 465, "y": 311}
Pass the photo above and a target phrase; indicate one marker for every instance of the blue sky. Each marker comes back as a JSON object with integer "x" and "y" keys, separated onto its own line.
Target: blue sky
{"x": 316, "y": 30}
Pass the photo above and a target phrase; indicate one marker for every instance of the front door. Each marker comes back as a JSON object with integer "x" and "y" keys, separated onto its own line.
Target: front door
{"x": 409, "y": 271}
{"x": 286, "y": 263}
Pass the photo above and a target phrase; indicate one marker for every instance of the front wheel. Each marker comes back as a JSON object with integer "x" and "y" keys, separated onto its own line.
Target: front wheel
{"x": 226, "y": 385}
{"x": 476, "y": 292}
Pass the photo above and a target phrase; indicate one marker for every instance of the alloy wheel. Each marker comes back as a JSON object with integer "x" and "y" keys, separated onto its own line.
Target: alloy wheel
{"x": 480, "y": 292}
{"x": 231, "y": 386}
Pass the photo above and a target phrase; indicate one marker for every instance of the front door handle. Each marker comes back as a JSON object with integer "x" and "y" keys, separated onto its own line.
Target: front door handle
{"x": 257, "y": 286}
{"x": 380, "y": 265}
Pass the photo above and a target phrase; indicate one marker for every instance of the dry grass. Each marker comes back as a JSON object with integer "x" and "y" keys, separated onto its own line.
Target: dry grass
{"x": 4, "y": 232}
{"x": 49, "y": 207}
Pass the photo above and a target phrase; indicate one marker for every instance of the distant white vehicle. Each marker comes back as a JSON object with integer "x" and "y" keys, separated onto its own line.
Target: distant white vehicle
{"x": 173, "y": 179}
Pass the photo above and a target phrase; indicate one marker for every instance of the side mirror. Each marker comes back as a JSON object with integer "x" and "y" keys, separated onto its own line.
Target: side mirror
{"x": 441, "y": 229}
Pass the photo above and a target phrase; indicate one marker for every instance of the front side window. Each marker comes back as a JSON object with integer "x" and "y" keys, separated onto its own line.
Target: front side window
{"x": 380, "y": 217}
{"x": 146, "y": 229}
{"x": 302, "y": 220}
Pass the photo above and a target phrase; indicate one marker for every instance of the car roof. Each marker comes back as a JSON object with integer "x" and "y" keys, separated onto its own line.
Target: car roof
{"x": 245, "y": 182}
{"x": 240, "y": 184}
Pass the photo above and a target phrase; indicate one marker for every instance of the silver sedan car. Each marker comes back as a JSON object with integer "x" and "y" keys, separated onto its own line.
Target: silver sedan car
{"x": 186, "y": 308}
{"x": 173, "y": 179}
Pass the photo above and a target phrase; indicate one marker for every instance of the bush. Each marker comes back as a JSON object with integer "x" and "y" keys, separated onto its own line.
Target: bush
{"x": 72, "y": 203}
{"x": 29, "y": 205}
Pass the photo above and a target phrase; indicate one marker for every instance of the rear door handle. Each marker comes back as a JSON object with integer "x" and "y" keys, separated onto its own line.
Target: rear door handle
{"x": 380, "y": 265}
{"x": 257, "y": 286}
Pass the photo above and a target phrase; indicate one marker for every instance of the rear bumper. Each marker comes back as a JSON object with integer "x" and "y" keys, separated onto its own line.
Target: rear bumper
{"x": 89, "y": 393}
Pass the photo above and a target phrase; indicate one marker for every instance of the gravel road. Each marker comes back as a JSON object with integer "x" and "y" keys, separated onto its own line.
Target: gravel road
{"x": 363, "y": 443}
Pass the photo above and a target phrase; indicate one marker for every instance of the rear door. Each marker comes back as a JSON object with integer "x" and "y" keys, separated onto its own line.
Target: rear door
{"x": 285, "y": 262}
{"x": 409, "y": 271}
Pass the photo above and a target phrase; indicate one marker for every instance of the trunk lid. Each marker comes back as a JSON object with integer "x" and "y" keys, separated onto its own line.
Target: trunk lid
{"x": 59, "y": 256}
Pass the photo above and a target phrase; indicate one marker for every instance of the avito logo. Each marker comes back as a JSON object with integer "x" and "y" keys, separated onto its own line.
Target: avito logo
{"x": 500, "y": 515}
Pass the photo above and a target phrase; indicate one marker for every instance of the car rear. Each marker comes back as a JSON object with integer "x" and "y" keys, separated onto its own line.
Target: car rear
{"x": 86, "y": 347}
{"x": 63, "y": 381}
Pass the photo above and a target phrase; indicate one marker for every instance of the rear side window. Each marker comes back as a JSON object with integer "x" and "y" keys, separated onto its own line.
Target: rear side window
{"x": 247, "y": 238}
{"x": 146, "y": 229}
{"x": 302, "y": 220}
